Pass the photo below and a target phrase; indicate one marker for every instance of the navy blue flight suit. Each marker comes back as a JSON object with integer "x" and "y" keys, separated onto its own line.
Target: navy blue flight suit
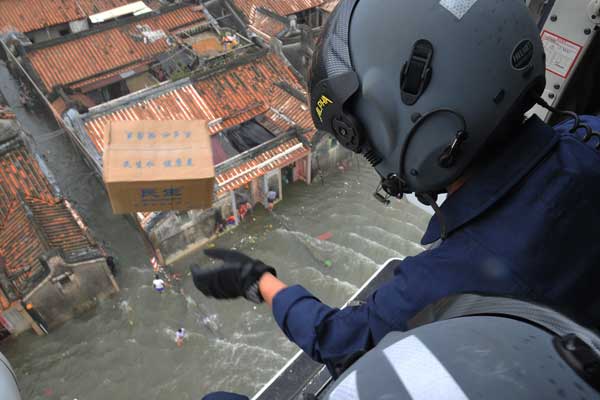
{"x": 527, "y": 225}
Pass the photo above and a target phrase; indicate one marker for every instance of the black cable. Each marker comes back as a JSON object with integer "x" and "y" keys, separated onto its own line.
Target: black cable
{"x": 588, "y": 132}
{"x": 541, "y": 102}
{"x": 438, "y": 213}
{"x": 577, "y": 121}
{"x": 596, "y": 135}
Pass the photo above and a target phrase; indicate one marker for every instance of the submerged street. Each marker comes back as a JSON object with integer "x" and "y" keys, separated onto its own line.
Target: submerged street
{"x": 125, "y": 348}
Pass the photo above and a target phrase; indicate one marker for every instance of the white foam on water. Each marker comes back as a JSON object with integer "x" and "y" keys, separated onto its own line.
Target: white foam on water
{"x": 326, "y": 279}
{"x": 240, "y": 347}
{"x": 330, "y": 246}
{"x": 382, "y": 231}
{"x": 389, "y": 253}
{"x": 140, "y": 270}
{"x": 190, "y": 301}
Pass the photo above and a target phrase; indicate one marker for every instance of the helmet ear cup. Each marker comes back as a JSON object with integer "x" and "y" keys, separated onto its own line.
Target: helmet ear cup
{"x": 348, "y": 132}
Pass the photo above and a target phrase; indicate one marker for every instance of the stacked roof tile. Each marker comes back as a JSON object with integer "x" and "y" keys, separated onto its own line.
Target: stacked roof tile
{"x": 107, "y": 53}
{"x": 32, "y": 220}
{"x": 227, "y": 98}
{"x": 31, "y": 15}
{"x": 266, "y": 25}
{"x": 281, "y": 7}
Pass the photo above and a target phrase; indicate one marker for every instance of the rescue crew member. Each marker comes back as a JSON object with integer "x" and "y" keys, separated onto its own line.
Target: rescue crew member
{"x": 433, "y": 94}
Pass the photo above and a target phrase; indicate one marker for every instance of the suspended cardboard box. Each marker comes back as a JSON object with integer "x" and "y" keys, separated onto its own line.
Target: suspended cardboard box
{"x": 158, "y": 166}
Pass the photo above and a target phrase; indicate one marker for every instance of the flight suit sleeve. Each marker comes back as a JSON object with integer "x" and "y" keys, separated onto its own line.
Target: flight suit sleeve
{"x": 328, "y": 334}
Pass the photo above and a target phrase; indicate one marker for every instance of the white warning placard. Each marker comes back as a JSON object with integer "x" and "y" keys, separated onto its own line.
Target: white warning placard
{"x": 561, "y": 53}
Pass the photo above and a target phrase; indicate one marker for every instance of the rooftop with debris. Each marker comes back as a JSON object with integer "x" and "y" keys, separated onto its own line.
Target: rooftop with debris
{"x": 31, "y": 15}
{"x": 283, "y": 8}
{"x": 253, "y": 103}
{"x": 111, "y": 52}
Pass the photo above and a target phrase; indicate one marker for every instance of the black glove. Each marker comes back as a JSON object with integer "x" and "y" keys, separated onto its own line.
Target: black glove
{"x": 238, "y": 276}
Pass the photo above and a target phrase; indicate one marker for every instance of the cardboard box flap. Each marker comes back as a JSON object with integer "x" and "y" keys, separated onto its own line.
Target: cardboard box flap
{"x": 146, "y": 151}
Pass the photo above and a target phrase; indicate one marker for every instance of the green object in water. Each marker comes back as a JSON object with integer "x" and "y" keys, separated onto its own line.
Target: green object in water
{"x": 328, "y": 263}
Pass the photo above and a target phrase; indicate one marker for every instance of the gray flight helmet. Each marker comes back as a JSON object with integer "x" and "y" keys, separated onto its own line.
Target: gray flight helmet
{"x": 419, "y": 87}
{"x": 9, "y": 389}
{"x": 475, "y": 357}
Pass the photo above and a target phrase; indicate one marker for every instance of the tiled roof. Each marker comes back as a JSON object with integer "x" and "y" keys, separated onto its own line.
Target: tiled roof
{"x": 227, "y": 98}
{"x": 106, "y": 53}
{"x": 281, "y": 7}
{"x": 59, "y": 225}
{"x": 21, "y": 174}
{"x": 21, "y": 247}
{"x": 32, "y": 219}
{"x": 31, "y": 15}
{"x": 285, "y": 106}
{"x": 239, "y": 94}
{"x": 266, "y": 26}
{"x": 270, "y": 160}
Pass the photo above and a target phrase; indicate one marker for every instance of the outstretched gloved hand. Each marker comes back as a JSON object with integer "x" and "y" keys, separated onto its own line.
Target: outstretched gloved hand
{"x": 238, "y": 277}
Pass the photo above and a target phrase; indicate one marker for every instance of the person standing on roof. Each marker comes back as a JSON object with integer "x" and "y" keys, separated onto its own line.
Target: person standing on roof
{"x": 158, "y": 284}
{"x": 440, "y": 109}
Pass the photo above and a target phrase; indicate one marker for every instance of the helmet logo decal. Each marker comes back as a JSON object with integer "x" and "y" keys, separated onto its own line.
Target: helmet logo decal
{"x": 323, "y": 102}
{"x": 522, "y": 55}
{"x": 458, "y": 8}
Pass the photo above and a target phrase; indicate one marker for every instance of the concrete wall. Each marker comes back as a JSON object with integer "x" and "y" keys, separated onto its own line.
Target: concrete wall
{"x": 71, "y": 289}
{"x": 179, "y": 231}
{"x": 15, "y": 320}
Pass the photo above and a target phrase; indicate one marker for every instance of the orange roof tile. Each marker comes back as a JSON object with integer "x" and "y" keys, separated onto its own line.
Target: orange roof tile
{"x": 32, "y": 219}
{"x": 266, "y": 26}
{"x": 108, "y": 52}
{"x": 270, "y": 160}
{"x": 20, "y": 173}
{"x": 21, "y": 247}
{"x": 230, "y": 93}
{"x": 31, "y": 15}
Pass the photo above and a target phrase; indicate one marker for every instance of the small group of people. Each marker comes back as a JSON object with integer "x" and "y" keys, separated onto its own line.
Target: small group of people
{"x": 159, "y": 286}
